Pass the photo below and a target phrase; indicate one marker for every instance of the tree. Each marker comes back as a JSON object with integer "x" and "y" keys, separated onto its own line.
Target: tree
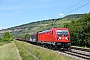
{"x": 7, "y": 37}
{"x": 27, "y": 36}
{"x": 80, "y": 31}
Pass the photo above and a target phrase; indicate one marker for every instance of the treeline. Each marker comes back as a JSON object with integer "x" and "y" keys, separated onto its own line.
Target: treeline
{"x": 80, "y": 31}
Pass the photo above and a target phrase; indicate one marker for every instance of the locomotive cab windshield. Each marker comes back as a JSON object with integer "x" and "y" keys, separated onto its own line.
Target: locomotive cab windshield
{"x": 62, "y": 32}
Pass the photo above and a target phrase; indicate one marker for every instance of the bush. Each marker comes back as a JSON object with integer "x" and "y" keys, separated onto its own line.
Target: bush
{"x": 7, "y": 37}
{"x": 0, "y": 39}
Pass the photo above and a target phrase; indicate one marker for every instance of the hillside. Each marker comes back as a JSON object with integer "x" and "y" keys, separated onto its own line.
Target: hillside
{"x": 41, "y": 25}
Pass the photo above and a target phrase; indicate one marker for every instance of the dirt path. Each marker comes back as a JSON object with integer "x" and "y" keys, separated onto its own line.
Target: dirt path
{"x": 31, "y": 54}
{"x": 19, "y": 57}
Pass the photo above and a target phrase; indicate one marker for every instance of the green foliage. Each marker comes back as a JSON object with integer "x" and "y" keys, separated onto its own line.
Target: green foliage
{"x": 27, "y": 36}
{"x": 74, "y": 16}
{"x": 80, "y": 31}
{"x": 7, "y": 37}
{"x": 19, "y": 36}
{"x": 0, "y": 39}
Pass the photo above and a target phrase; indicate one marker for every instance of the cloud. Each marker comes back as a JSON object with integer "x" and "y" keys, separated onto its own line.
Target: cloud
{"x": 1, "y": 27}
{"x": 61, "y": 15}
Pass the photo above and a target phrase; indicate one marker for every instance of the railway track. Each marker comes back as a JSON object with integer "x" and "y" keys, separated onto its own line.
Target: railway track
{"x": 79, "y": 52}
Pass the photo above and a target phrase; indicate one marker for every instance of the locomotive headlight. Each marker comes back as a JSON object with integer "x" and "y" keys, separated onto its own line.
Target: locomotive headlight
{"x": 66, "y": 38}
{"x": 59, "y": 38}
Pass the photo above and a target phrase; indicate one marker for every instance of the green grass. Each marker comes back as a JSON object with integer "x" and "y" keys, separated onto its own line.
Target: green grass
{"x": 23, "y": 53}
{"x": 42, "y": 54}
{"x": 8, "y": 52}
{"x": 2, "y": 43}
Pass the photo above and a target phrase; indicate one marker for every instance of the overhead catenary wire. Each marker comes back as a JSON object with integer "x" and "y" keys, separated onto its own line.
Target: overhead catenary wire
{"x": 77, "y": 8}
{"x": 53, "y": 22}
{"x": 72, "y": 6}
{"x": 73, "y": 10}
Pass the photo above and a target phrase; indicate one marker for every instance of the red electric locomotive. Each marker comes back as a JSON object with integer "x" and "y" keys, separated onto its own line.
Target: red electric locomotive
{"x": 55, "y": 37}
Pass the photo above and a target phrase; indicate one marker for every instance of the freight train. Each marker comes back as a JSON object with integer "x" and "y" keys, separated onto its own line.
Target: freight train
{"x": 55, "y": 38}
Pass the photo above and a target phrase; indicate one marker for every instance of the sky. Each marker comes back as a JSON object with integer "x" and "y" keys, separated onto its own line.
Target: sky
{"x": 18, "y": 12}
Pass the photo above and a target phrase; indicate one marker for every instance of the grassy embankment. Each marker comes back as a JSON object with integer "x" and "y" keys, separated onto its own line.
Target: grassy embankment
{"x": 23, "y": 53}
{"x": 42, "y": 54}
{"x": 2, "y": 43}
{"x": 8, "y": 52}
